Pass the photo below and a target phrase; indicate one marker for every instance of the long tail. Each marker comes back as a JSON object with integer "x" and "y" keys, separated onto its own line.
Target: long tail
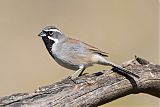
{"x": 123, "y": 70}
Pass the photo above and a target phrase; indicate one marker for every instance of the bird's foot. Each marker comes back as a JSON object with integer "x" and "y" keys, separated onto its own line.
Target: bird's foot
{"x": 83, "y": 74}
{"x": 70, "y": 78}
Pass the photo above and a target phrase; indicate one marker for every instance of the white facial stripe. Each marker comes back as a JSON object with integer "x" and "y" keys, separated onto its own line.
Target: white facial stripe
{"x": 55, "y": 40}
{"x": 54, "y": 30}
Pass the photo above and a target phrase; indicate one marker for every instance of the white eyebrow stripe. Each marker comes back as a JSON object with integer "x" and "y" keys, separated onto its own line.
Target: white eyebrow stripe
{"x": 54, "y": 30}
{"x": 55, "y": 40}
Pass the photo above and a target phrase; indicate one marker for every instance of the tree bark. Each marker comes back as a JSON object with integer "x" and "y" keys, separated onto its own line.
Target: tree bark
{"x": 92, "y": 90}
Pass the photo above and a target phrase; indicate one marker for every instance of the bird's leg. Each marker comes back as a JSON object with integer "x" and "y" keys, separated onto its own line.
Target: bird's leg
{"x": 82, "y": 67}
{"x": 80, "y": 71}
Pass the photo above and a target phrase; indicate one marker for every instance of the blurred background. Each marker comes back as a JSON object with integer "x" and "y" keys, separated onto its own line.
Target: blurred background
{"x": 123, "y": 28}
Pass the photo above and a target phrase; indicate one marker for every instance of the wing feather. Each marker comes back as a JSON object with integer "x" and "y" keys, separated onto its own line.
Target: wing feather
{"x": 96, "y": 50}
{"x": 89, "y": 47}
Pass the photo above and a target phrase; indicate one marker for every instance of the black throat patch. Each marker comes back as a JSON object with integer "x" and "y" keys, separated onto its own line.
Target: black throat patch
{"x": 48, "y": 43}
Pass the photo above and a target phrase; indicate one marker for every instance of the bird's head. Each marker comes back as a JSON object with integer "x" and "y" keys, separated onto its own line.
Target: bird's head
{"x": 51, "y": 33}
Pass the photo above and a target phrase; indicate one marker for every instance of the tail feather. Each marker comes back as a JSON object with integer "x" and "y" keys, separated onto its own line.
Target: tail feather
{"x": 126, "y": 71}
{"x": 123, "y": 70}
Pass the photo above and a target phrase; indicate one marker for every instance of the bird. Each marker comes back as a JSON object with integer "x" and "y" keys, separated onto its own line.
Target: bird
{"x": 75, "y": 54}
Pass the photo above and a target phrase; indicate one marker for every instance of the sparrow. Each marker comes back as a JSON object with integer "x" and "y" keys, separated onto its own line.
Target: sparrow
{"x": 75, "y": 54}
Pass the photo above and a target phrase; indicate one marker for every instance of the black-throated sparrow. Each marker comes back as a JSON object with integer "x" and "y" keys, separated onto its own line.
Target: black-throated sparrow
{"x": 74, "y": 54}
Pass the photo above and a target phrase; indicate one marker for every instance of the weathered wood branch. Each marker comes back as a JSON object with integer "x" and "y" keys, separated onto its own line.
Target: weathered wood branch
{"x": 92, "y": 90}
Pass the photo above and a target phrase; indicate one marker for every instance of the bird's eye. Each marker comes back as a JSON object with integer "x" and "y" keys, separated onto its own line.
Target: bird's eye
{"x": 50, "y": 32}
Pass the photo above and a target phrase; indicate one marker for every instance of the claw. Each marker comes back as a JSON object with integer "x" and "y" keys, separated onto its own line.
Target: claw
{"x": 70, "y": 77}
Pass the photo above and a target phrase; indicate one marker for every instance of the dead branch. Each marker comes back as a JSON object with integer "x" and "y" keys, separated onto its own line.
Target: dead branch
{"x": 92, "y": 90}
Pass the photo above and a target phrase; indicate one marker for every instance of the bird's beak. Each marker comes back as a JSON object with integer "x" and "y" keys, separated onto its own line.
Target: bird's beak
{"x": 42, "y": 34}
